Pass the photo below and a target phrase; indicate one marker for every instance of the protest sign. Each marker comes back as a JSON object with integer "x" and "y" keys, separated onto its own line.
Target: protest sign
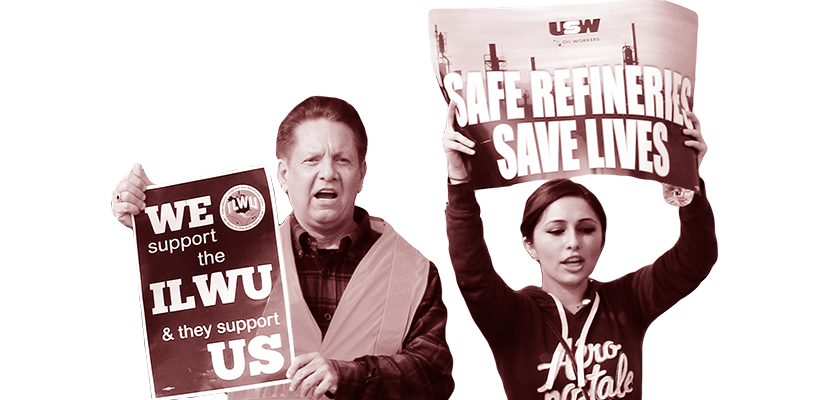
{"x": 209, "y": 265}
{"x": 560, "y": 91}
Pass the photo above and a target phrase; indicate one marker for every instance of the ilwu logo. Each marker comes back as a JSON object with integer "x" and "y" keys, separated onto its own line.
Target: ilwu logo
{"x": 574, "y": 27}
{"x": 242, "y": 207}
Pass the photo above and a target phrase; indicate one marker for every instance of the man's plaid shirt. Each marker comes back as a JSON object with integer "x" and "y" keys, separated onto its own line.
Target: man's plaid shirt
{"x": 422, "y": 369}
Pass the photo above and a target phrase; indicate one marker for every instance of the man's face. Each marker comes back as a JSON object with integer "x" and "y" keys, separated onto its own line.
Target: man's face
{"x": 323, "y": 176}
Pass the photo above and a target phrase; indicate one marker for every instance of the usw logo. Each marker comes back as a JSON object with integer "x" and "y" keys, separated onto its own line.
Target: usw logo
{"x": 574, "y": 27}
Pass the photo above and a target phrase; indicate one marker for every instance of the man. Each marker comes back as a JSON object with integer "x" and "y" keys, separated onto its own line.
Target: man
{"x": 372, "y": 323}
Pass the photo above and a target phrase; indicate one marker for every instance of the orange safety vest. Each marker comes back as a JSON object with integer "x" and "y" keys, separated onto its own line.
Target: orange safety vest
{"x": 374, "y": 315}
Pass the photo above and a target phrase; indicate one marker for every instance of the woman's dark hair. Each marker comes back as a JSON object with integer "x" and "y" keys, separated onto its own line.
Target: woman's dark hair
{"x": 554, "y": 190}
{"x": 320, "y": 107}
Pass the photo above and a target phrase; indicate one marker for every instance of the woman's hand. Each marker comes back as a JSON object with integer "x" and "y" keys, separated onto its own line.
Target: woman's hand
{"x": 698, "y": 144}
{"x": 455, "y": 144}
{"x": 128, "y": 196}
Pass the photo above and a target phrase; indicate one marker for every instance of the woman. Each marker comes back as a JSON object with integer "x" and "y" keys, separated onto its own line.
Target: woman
{"x": 573, "y": 337}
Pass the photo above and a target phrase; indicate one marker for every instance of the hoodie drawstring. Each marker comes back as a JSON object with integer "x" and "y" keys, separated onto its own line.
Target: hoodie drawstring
{"x": 579, "y": 355}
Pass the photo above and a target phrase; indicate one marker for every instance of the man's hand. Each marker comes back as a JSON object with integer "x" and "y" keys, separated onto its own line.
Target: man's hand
{"x": 313, "y": 375}
{"x": 128, "y": 196}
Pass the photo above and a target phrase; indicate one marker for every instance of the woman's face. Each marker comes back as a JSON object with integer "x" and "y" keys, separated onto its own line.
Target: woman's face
{"x": 567, "y": 242}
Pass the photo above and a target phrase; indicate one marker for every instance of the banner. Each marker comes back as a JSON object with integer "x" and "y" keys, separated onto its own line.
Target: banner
{"x": 560, "y": 91}
{"x": 208, "y": 263}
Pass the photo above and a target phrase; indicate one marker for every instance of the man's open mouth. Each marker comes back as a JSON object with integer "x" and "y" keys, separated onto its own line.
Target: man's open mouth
{"x": 326, "y": 194}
